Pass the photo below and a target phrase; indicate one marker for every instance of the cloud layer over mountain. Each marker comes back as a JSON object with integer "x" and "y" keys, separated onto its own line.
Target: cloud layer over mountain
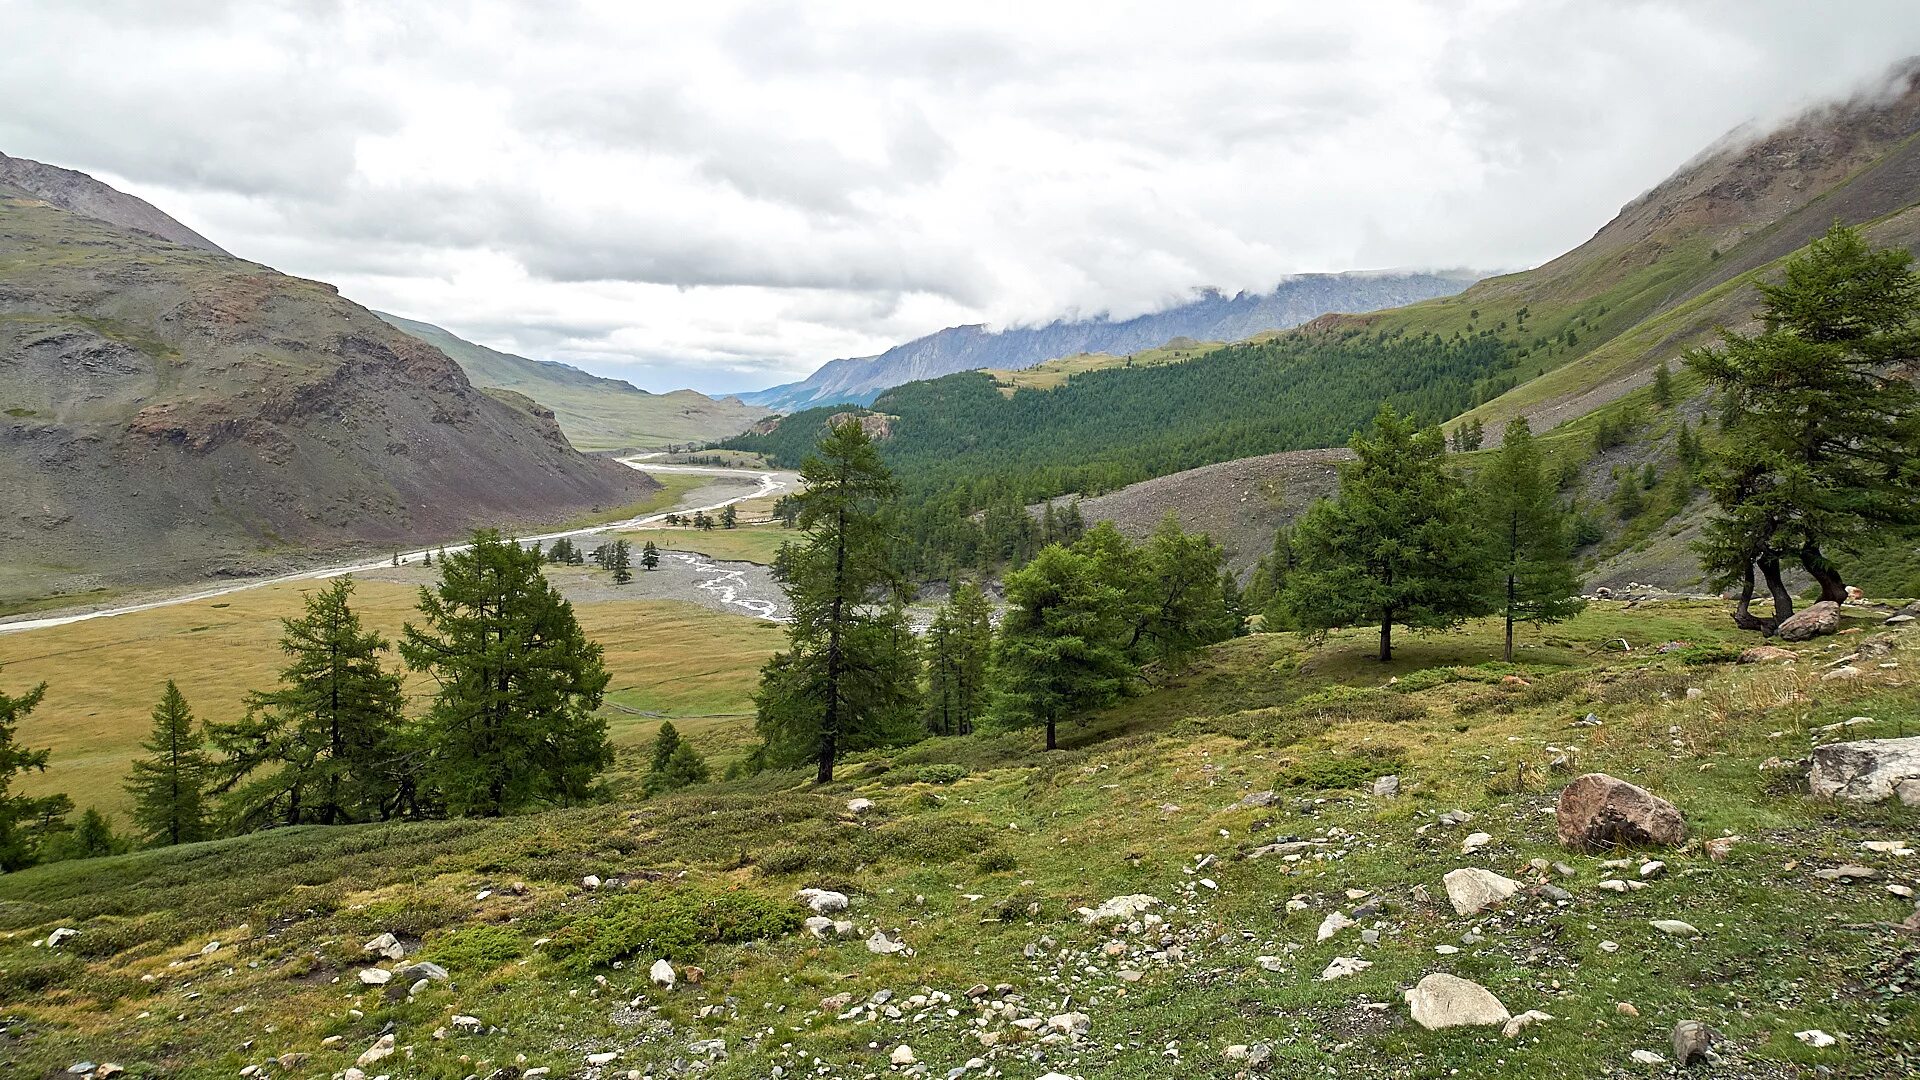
{"x": 725, "y": 195}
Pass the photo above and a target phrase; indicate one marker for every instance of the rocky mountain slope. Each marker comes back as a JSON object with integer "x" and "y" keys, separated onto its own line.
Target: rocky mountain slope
{"x": 78, "y": 193}
{"x": 1214, "y": 316}
{"x": 169, "y": 412}
{"x": 596, "y": 413}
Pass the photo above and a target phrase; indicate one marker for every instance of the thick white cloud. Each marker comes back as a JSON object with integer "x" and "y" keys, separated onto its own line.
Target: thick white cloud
{"x": 725, "y": 195}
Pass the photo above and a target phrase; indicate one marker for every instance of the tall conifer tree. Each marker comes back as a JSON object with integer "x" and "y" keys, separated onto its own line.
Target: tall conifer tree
{"x": 169, "y": 785}
{"x": 1529, "y": 536}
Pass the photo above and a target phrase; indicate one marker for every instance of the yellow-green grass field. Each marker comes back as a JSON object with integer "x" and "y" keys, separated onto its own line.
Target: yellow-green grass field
{"x": 1055, "y": 373}
{"x": 668, "y": 659}
{"x": 748, "y": 543}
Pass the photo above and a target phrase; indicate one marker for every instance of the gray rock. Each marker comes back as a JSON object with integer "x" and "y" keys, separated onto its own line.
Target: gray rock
{"x": 1817, "y": 619}
{"x": 1386, "y": 787}
{"x": 1442, "y": 1001}
{"x": 1867, "y": 771}
{"x": 1473, "y": 890}
{"x": 1692, "y": 1040}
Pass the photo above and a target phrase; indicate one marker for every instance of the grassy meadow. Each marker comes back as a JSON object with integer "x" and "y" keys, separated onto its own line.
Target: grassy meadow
{"x": 668, "y": 659}
{"x": 980, "y": 848}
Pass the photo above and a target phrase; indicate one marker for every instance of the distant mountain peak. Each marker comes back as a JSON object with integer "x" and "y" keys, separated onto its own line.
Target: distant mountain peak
{"x": 1210, "y": 315}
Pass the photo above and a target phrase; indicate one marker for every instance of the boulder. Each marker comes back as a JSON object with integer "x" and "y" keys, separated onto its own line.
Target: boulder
{"x": 1122, "y": 908}
{"x": 1599, "y": 811}
{"x": 1767, "y": 654}
{"x": 1691, "y": 1041}
{"x": 1868, "y": 771}
{"x": 661, "y": 974}
{"x": 859, "y": 806}
{"x": 1816, "y": 620}
{"x": 1386, "y": 787}
{"x": 822, "y": 901}
{"x": 1473, "y": 890}
{"x": 1443, "y": 1001}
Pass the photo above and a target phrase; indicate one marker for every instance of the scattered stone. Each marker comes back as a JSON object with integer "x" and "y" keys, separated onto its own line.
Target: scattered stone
{"x": 375, "y": 976}
{"x": 859, "y": 806}
{"x": 382, "y": 1048}
{"x": 59, "y": 936}
{"x": 1768, "y": 654}
{"x": 1675, "y": 927}
{"x": 1598, "y": 811}
{"x": 1332, "y": 924}
{"x": 1625, "y": 1008}
{"x": 1343, "y": 966}
{"x": 1474, "y": 842}
{"x": 1074, "y": 1024}
{"x": 1652, "y": 868}
{"x": 1455, "y": 817}
{"x": 1609, "y": 947}
{"x": 902, "y": 1055}
{"x": 1868, "y": 771}
{"x": 882, "y": 945}
{"x": 1839, "y": 673}
{"x": 1123, "y": 908}
{"x": 1473, "y": 890}
{"x": 822, "y": 901}
{"x": 1446, "y": 950}
{"x": 1523, "y": 1021}
{"x": 1691, "y": 1041}
{"x": 661, "y": 974}
{"x": 1720, "y": 847}
{"x": 385, "y": 945}
{"x": 1647, "y": 1057}
{"x": 422, "y": 970}
{"x": 1847, "y": 872}
{"x": 1386, "y": 787}
{"x": 1255, "y": 799}
{"x": 591, "y": 881}
{"x": 1815, "y": 1038}
{"x": 605, "y": 1057}
{"x": 1442, "y": 1001}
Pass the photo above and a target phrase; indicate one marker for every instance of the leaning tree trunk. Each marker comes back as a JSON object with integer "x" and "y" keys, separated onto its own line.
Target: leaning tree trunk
{"x": 1743, "y": 616}
{"x": 1823, "y": 571}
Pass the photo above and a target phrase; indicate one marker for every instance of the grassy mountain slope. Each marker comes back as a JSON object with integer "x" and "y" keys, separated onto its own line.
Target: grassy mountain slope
{"x": 980, "y": 877}
{"x": 596, "y": 413}
{"x": 172, "y": 414}
{"x": 1052, "y": 374}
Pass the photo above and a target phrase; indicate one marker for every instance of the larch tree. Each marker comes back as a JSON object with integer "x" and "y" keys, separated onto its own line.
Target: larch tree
{"x": 620, "y": 561}
{"x": 169, "y": 784}
{"x": 1177, "y": 601}
{"x": 1395, "y": 546}
{"x": 514, "y": 721}
{"x": 850, "y": 674}
{"x": 1819, "y": 444}
{"x": 328, "y": 747}
{"x": 26, "y": 821}
{"x": 1062, "y": 650}
{"x": 1528, "y": 535}
{"x": 959, "y": 649}
{"x": 649, "y": 557}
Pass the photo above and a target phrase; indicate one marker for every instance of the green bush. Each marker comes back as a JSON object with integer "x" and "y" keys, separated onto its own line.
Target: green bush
{"x": 674, "y": 922}
{"x": 1335, "y": 771}
{"x": 942, "y": 774}
{"x": 476, "y": 949}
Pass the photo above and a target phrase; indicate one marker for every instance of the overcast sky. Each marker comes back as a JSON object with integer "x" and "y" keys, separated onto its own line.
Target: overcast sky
{"x": 725, "y": 195}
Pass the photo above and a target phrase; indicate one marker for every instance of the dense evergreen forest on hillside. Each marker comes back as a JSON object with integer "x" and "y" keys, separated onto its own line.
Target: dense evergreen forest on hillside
{"x": 958, "y": 445}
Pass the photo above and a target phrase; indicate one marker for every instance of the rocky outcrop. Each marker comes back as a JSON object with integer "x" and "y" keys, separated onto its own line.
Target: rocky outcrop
{"x": 1598, "y": 811}
{"x": 1821, "y": 618}
{"x": 1868, "y": 771}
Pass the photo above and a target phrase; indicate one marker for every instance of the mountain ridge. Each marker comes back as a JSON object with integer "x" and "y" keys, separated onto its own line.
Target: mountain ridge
{"x": 1212, "y": 316}
{"x": 78, "y": 193}
{"x": 596, "y": 412}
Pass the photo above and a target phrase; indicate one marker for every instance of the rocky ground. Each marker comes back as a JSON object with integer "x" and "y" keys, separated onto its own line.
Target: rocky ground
{"x": 1286, "y": 861}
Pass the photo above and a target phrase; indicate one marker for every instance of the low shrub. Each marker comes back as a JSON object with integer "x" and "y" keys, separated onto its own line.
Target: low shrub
{"x": 1336, "y": 771}
{"x": 655, "y": 921}
{"x": 475, "y": 949}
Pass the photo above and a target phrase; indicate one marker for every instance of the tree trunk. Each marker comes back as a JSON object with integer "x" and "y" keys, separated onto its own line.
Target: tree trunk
{"x": 1823, "y": 571}
{"x": 1386, "y": 635}
{"x": 1053, "y": 742}
{"x": 830, "y": 726}
{"x": 1782, "y": 599}
{"x": 1509, "y": 652}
